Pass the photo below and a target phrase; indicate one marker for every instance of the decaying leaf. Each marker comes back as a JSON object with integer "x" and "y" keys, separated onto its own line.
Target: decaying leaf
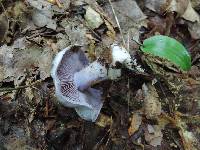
{"x": 3, "y": 27}
{"x": 182, "y": 7}
{"x": 103, "y": 120}
{"x": 62, "y": 6}
{"x": 195, "y": 4}
{"x": 41, "y": 19}
{"x": 18, "y": 143}
{"x": 44, "y": 62}
{"x": 193, "y": 21}
{"x": 152, "y": 106}
{"x": 127, "y": 12}
{"x": 75, "y": 33}
{"x": 179, "y": 6}
{"x": 188, "y": 138}
{"x": 190, "y": 14}
{"x": 194, "y": 29}
{"x": 20, "y": 58}
{"x": 29, "y": 93}
{"x": 153, "y": 135}
{"x": 136, "y": 121}
{"x": 93, "y": 19}
{"x": 111, "y": 32}
{"x": 42, "y": 14}
{"x": 162, "y": 6}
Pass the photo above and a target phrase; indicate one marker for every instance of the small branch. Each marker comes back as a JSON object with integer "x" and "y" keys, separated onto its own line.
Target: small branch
{"x": 19, "y": 87}
{"x": 140, "y": 44}
{"x": 117, "y": 21}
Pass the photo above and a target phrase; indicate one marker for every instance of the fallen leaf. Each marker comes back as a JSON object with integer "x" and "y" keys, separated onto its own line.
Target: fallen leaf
{"x": 3, "y": 27}
{"x": 152, "y": 105}
{"x": 42, "y": 19}
{"x": 93, "y": 18}
{"x": 162, "y": 6}
{"x": 153, "y": 135}
{"x": 42, "y": 14}
{"x": 44, "y": 62}
{"x": 136, "y": 121}
{"x": 22, "y": 57}
{"x": 103, "y": 120}
{"x": 128, "y": 13}
{"x": 190, "y": 14}
{"x": 194, "y": 29}
{"x": 195, "y": 4}
{"x": 190, "y": 142}
{"x": 62, "y": 7}
{"x": 75, "y": 33}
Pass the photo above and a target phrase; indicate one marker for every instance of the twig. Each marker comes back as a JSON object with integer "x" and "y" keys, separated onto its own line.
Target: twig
{"x": 19, "y": 87}
{"x": 137, "y": 42}
{"x": 128, "y": 84}
{"x": 4, "y": 10}
{"x": 117, "y": 21}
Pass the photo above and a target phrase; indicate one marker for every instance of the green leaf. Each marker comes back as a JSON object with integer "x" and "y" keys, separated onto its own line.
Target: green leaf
{"x": 168, "y": 48}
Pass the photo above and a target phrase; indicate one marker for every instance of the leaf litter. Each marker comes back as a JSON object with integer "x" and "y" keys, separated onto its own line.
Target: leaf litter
{"x": 140, "y": 111}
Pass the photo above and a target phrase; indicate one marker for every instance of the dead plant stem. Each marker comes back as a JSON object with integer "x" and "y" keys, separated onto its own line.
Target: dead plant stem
{"x": 117, "y": 21}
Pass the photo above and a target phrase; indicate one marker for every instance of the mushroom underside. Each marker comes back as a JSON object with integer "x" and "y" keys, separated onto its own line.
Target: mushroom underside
{"x": 75, "y": 92}
{"x": 73, "y": 77}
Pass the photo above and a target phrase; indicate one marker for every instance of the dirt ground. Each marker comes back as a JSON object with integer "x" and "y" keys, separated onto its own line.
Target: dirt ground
{"x": 150, "y": 110}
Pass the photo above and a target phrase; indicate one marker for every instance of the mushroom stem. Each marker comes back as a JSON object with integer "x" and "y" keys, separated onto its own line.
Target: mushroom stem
{"x": 91, "y": 74}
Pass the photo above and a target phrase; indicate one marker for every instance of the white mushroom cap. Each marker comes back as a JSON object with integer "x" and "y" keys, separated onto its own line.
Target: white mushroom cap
{"x": 120, "y": 54}
{"x": 66, "y": 65}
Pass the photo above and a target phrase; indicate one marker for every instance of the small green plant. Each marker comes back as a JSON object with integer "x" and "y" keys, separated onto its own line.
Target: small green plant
{"x": 169, "y": 49}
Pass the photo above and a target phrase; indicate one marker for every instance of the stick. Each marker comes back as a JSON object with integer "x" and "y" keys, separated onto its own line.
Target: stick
{"x": 19, "y": 87}
{"x": 117, "y": 21}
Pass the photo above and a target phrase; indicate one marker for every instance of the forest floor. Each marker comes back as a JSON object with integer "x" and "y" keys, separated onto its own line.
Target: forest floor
{"x": 140, "y": 110}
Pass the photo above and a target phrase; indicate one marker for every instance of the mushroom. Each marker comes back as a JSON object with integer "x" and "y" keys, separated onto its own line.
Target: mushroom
{"x": 73, "y": 77}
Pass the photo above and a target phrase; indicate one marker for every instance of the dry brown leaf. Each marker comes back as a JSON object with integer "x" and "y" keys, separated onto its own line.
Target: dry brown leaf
{"x": 162, "y": 6}
{"x": 194, "y": 29}
{"x": 103, "y": 120}
{"x": 190, "y": 142}
{"x": 111, "y": 32}
{"x": 93, "y": 18}
{"x": 157, "y": 6}
{"x": 127, "y": 12}
{"x": 188, "y": 138}
{"x": 190, "y": 14}
{"x": 29, "y": 93}
{"x": 179, "y": 6}
{"x": 42, "y": 14}
{"x": 44, "y": 62}
{"x": 136, "y": 121}
{"x": 75, "y": 33}
{"x": 153, "y": 135}
{"x": 19, "y": 144}
{"x": 195, "y": 4}
{"x": 152, "y": 105}
{"x": 3, "y": 27}
{"x": 21, "y": 58}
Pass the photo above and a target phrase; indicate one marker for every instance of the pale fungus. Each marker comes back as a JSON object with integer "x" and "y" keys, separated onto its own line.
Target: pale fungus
{"x": 73, "y": 77}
